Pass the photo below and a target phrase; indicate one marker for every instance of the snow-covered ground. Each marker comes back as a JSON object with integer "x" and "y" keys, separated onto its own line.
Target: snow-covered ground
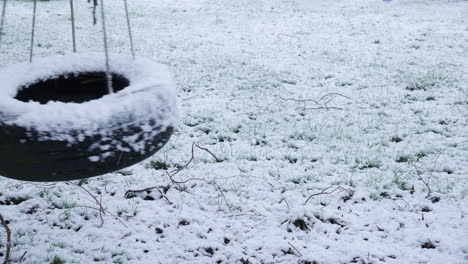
{"x": 341, "y": 129}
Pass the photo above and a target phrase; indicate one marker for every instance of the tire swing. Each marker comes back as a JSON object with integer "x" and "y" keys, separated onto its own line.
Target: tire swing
{"x": 75, "y": 116}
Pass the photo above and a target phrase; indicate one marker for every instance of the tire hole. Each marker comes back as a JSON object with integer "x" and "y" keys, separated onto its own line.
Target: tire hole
{"x": 71, "y": 88}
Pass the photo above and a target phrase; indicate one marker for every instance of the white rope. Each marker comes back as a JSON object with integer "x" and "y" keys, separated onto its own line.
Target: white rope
{"x": 2, "y": 20}
{"x": 130, "y": 36}
{"x": 106, "y": 49}
{"x": 72, "y": 14}
{"x": 33, "y": 31}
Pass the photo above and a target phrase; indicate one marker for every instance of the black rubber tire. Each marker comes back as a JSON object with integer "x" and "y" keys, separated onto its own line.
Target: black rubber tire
{"x": 24, "y": 157}
{"x": 59, "y": 123}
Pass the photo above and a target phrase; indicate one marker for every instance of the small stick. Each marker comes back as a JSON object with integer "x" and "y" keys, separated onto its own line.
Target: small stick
{"x": 147, "y": 190}
{"x": 211, "y": 153}
{"x": 324, "y": 191}
{"x": 338, "y": 94}
{"x": 101, "y": 208}
{"x": 321, "y": 104}
{"x": 186, "y": 164}
{"x": 8, "y": 243}
{"x": 142, "y": 190}
{"x": 22, "y": 257}
{"x": 295, "y": 249}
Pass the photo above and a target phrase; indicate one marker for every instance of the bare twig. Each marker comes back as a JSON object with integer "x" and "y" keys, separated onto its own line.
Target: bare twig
{"x": 211, "y": 153}
{"x": 224, "y": 197}
{"x": 325, "y": 191}
{"x": 180, "y": 188}
{"x": 318, "y": 108}
{"x": 8, "y": 242}
{"x": 321, "y": 102}
{"x": 101, "y": 208}
{"x": 249, "y": 213}
{"x": 164, "y": 196}
{"x": 178, "y": 183}
{"x": 175, "y": 172}
{"x": 295, "y": 249}
{"x": 337, "y": 94}
{"x": 97, "y": 209}
{"x": 287, "y": 35}
{"x": 141, "y": 190}
{"x": 299, "y": 100}
{"x": 118, "y": 219}
{"x": 102, "y": 211}
{"x": 22, "y": 257}
{"x": 420, "y": 173}
{"x": 421, "y": 178}
{"x": 148, "y": 190}
{"x": 203, "y": 180}
{"x": 187, "y": 180}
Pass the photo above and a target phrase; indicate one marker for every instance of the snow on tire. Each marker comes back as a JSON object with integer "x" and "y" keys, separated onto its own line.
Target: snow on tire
{"x": 57, "y": 121}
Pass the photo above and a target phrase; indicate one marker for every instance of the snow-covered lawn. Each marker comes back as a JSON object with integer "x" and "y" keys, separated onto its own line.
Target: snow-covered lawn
{"x": 322, "y": 132}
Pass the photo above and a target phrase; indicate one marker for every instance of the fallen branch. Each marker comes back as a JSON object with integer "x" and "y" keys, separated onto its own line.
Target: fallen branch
{"x": 295, "y": 249}
{"x": 421, "y": 178}
{"x": 113, "y": 215}
{"x": 178, "y": 183}
{"x": 318, "y": 108}
{"x": 22, "y": 257}
{"x": 148, "y": 190}
{"x": 325, "y": 191}
{"x": 175, "y": 172}
{"x": 203, "y": 180}
{"x": 8, "y": 237}
{"x": 321, "y": 103}
{"x": 420, "y": 173}
{"x": 291, "y": 36}
{"x": 337, "y": 94}
{"x": 101, "y": 209}
{"x": 299, "y": 100}
{"x": 211, "y": 153}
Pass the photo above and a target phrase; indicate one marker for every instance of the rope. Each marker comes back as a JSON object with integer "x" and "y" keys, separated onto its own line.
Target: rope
{"x": 106, "y": 49}
{"x": 94, "y": 11}
{"x": 72, "y": 14}
{"x": 2, "y": 20}
{"x": 129, "y": 30}
{"x": 33, "y": 31}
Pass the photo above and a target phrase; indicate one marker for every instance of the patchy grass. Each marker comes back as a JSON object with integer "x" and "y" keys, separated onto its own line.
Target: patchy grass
{"x": 323, "y": 144}
{"x": 426, "y": 82}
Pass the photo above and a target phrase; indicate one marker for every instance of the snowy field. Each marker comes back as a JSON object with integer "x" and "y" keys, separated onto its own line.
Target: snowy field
{"x": 322, "y": 132}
